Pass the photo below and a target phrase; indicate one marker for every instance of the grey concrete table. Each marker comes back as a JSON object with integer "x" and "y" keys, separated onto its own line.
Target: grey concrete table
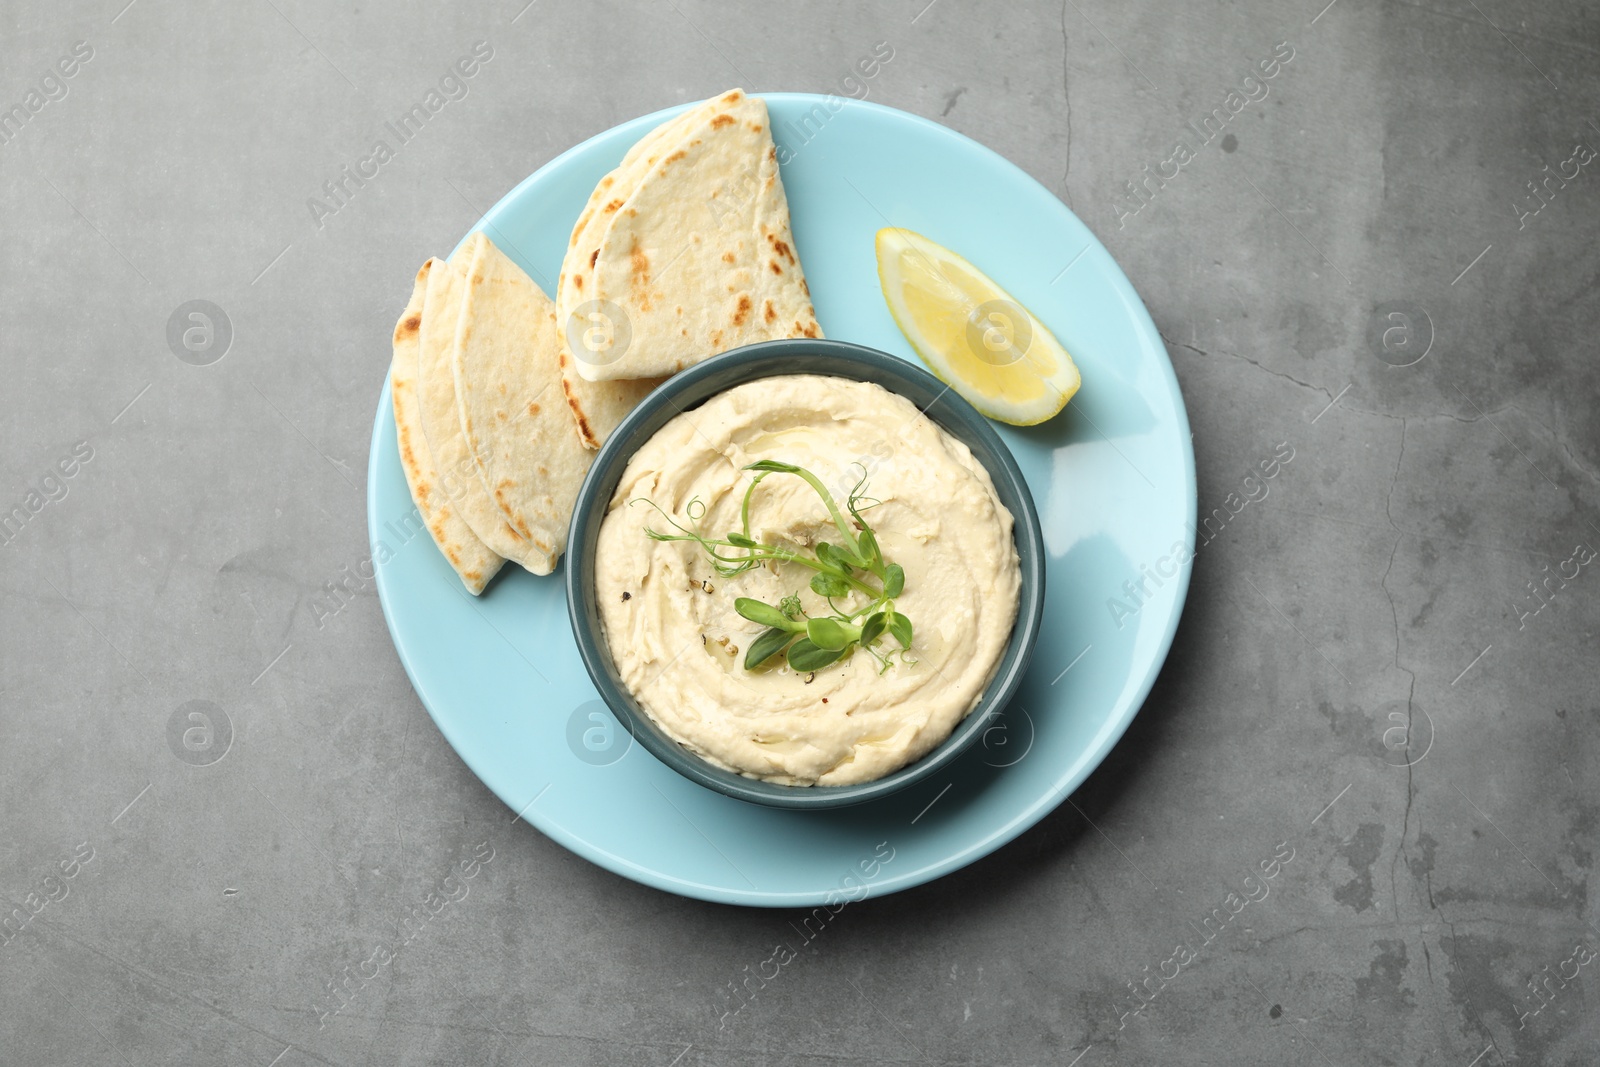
{"x": 1381, "y": 256}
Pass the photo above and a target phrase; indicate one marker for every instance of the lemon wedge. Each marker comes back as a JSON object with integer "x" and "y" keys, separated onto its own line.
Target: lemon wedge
{"x": 971, "y": 333}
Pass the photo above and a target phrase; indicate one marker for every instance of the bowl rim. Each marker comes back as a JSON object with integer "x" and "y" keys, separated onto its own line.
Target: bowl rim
{"x": 777, "y": 358}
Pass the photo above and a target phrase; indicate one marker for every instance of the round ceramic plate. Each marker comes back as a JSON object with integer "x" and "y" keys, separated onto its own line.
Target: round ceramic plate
{"x": 1113, "y": 477}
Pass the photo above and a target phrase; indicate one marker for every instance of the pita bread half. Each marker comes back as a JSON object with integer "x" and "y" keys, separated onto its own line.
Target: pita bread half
{"x": 468, "y": 555}
{"x": 600, "y": 406}
{"x": 441, "y": 421}
{"x": 699, "y": 258}
{"x": 508, "y": 391}
{"x": 612, "y": 192}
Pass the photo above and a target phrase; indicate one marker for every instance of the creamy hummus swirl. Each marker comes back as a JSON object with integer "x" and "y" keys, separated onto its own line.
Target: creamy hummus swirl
{"x": 668, "y": 616}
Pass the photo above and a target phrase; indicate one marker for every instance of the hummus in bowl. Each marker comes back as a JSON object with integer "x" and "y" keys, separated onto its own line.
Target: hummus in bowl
{"x": 660, "y": 620}
{"x": 669, "y": 618}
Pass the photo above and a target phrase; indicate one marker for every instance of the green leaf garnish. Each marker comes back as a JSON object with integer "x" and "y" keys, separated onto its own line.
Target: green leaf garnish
{"x": 775, "y": 466}
{"x": 831, "y": 634}
{"x": 900, "y": 628}
{"x": 835, "y": 558}
{"x": 829, "y": 585}
{"x": 894, "y": 580}
{"x": 765, "y": 647}
{"x": 871, "y": 555}
{"x": 805, "y": 656}
{"x": 765, "y": 614}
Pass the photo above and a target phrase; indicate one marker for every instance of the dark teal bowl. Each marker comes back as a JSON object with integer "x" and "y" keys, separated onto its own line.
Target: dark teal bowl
{"x": 693, "y": 387}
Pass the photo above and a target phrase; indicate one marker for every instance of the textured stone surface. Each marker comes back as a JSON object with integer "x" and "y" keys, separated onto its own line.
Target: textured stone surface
{"x": 1379, "y": 589}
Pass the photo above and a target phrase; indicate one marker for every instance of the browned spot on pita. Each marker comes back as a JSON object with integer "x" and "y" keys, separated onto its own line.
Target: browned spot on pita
{"x": 731, "y": 95}
{"x": 584, "y": 430}
{"x": 775, "y": 268}
{"x": 755, "y": 127}
{"x": 768, "y": 312}
{"x": 723, "y": 120}
{"x": 473, "y": 576}
{"x": 502, "y": 388}
{"x": 639, "y": 262}
{"x": 613, "y": 206}
{"x": 411, "y": 323}
{"x": 577, "y": 279}
{"x": 809, "y": 330}
{"x": 542, "y": 469}
{"x": 684, "y": 331}
{"x": 500, "y": 416}
{"x": 770, "y": 179}
{"x": 772, "y": 152}
{"x": 742, "y": 310}
{"x": 679, "y": 154}
{"x": 782, "y": 247}
{"x": 605, "y": 183}
{"x": 694, "y": 142}
{"x": 716, "y": 339}
{"x": 593, "y": 256}
{"x": 533, "y": 409}
{"x": 408, "y": 458}
{"x": 804, "y": 288}
{"x": 521, "y": 528}
{"x": 729, "y": 257}
{"x": 632, "y": 214}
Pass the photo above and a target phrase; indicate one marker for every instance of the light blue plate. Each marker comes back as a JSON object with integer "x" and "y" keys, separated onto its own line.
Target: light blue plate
{"x": 1113, "y": 477}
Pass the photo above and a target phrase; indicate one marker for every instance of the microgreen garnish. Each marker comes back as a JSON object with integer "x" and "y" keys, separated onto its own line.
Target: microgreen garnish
{"x": 853, "y": 566}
